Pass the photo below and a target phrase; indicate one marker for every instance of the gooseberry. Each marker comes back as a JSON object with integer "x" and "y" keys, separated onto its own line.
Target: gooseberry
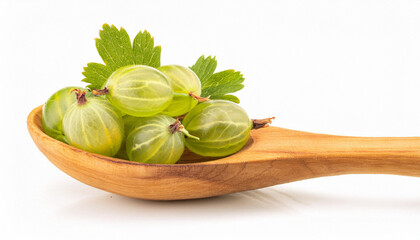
{"x": 53, "y": 112}
{"x": 138, "y": 90}
{"x": 128, "y": 121}
{"x": 222, "y": 126}
{"x": 186, "y": 86}
{"x": 93, "y": 125}
{"x": 158, "y": 140}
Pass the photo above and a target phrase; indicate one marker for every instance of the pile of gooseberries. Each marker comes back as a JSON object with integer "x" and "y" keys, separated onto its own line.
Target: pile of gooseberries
{"x": 148, "y": 115}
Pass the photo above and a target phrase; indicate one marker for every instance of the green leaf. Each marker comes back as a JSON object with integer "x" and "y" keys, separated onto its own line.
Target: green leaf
{"x": 96, "y": 74}
{"x": 204, "y": 68}
{"x": 145, "y": 53}
{"x": 227, "y": 97}
{"x": 114, "y": 47}
{"x": 222, "y": 83}
{"x": 217, "y": 85}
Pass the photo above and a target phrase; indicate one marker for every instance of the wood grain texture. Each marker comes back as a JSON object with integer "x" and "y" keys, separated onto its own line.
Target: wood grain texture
{"x": 272, "y": 156}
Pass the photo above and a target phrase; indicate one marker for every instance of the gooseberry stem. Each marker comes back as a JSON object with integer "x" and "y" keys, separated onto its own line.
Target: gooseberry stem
{"x": 178, "y": 127}
{"x": 100, "y": 92}
{"x": 198, "y": 98}
{"x": 261, "y": 123}
{"x": 80, "y": 96}
{"x": 186, "y": 133}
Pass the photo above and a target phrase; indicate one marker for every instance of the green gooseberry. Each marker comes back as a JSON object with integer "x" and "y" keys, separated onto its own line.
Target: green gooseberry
{"x": 128, "y": 121}
{"x": 222, "y": 126}
{"x": 157, "y": 140}
{"x": 186, "y": 86}
{"x": 53, "y": 112}
{"x": 138, "y": 90}
{"x": 93, "y": 125}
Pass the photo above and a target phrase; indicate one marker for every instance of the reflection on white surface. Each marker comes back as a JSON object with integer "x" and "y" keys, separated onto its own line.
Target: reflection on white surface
{"x": 357, "y": 205}
{"x": 251, "y": 202}
{"x": 293, "y": 199}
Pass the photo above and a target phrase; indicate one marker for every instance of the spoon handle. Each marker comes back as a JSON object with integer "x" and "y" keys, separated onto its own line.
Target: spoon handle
{"x": 335, "y": 155}
{"x": 384, "y": 155}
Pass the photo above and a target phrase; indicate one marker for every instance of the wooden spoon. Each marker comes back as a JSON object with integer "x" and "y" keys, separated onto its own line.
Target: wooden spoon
{"x": 272, "y": 156}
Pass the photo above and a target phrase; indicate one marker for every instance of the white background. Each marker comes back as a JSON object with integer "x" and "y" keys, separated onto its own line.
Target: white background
{"x": 337, "y": 67}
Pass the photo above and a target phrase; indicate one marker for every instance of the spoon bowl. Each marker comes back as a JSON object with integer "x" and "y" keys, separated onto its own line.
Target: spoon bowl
{"x": 272, "y": 156}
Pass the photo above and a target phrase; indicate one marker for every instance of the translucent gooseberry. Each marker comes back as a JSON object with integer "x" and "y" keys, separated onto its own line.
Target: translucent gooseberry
{"x": 128, "y": 121}
{"x": 53, "y": 112}
{"x": 93, "y": 125}
{"x": 138, "y": 90}
{"x": 158, "y": 140}
{"x": 187, "y": 89}
{"x": 222, "y": 126}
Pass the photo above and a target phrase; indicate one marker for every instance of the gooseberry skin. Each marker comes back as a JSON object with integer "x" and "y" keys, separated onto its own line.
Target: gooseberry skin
{"x": 222, "y": 126}
{"x": 183, "y": 81}
{"x": 95, "y": 126}
{"x": 128, "y": 121}
{"x": 138, "y": 90}
{"x": 150, "y": 141}
{"x": 53, "y": 112}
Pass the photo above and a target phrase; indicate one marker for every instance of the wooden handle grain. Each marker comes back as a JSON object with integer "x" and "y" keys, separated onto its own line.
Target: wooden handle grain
{"x": 399, "y": 156}
{"x": 334, "y": 155}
